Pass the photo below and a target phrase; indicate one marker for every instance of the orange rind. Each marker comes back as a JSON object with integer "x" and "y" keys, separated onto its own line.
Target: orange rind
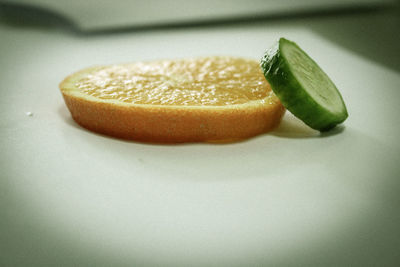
{"x": 210, "y": 99}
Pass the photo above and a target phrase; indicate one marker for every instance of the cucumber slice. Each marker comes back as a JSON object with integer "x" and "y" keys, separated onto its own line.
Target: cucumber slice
{"x": 302, "y": 86}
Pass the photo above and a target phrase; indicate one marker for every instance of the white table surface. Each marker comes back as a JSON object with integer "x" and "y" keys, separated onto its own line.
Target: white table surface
{"x": 293, "y": 197}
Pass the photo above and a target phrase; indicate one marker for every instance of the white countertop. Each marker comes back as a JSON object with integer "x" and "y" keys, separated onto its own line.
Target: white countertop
{"x": 70, "y": 197}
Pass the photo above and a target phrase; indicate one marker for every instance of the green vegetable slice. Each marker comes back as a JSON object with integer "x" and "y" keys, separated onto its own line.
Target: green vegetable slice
{"x": 302, "y": 86}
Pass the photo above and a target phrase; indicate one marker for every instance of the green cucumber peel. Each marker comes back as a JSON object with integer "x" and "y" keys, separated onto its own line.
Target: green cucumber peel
{"x": 302, "y": 86}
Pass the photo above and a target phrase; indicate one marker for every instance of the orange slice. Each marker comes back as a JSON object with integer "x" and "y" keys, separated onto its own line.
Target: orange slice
{"x": 186, "y": 100}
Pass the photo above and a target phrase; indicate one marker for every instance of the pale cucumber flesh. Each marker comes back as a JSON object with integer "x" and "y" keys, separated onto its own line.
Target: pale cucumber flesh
{"x": 313, "y": 79}
{"x": 302, "y": 86}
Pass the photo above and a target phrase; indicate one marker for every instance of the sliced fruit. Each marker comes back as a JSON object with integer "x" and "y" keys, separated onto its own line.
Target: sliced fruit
{"x": 302, "y": 86}
{"x": 186, "y": 100}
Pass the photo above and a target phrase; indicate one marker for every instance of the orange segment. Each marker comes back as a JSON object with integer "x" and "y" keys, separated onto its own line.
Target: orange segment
{"x": 207, "y": 81}
{"x": 203, "y": 99}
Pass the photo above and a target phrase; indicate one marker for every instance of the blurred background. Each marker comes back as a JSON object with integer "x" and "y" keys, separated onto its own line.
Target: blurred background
{"x": 100, "y": 15}
{"x": 71, "y": 198}
{"x": 366, "y": 26}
